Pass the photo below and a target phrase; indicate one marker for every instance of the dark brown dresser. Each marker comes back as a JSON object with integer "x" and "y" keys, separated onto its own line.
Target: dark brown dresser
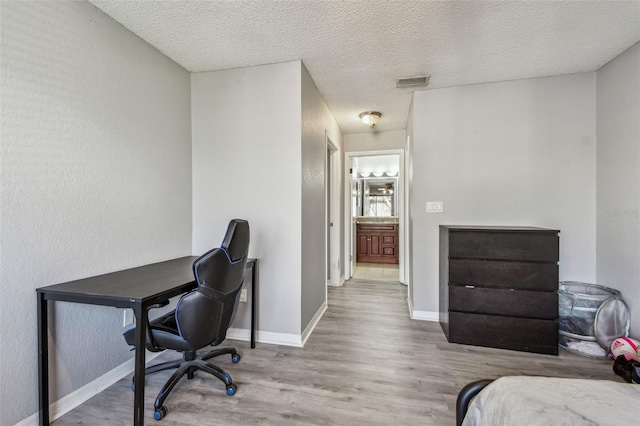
{"x": 498, "y": 287}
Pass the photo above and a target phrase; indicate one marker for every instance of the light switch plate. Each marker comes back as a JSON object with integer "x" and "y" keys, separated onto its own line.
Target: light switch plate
{"x": 435, "y": 207}
{"x": 243, "y": 295}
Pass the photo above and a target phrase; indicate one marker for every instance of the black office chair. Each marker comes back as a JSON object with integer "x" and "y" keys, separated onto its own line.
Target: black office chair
{"x": 202, "y": 316}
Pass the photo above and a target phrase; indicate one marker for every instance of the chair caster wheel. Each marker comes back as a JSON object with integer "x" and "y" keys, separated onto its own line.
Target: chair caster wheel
{"x": 231, "y": 389}
{"x": 235, "y": 358}
{"x": 160, "y": 413}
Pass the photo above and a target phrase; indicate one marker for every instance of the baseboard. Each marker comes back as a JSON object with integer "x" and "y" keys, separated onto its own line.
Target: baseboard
{"x": 422, "y": 315}
{"x": 67, "y": 403}
{"x": 243, "y": 334}
{"x": 314, "y": 321}
{"x": 426, "y": 316}
{"x": 285, "y": 339}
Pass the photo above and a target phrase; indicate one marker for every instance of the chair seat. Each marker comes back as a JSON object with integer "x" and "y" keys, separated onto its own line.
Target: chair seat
{"x": 164, "y": 332}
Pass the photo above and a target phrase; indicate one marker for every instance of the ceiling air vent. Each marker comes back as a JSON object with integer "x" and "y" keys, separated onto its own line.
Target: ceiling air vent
{"x": 412, "y": 82}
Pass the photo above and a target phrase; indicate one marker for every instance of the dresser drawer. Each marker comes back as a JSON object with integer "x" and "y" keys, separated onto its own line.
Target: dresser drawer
{"x": 525, "y": 246}
{"x": 388, "y": 239}
{"x": 530, "y": 304}
{"x": 523, "y": 334}
{"x": 376, "y": 227}
{"x": 518, "y": 275}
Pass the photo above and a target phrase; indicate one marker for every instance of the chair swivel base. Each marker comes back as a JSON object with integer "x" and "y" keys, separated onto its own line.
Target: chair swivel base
{"x": 189, "y": 365}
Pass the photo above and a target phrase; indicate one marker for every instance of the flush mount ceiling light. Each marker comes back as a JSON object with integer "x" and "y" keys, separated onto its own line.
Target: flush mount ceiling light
{"x": 370, "y": 118}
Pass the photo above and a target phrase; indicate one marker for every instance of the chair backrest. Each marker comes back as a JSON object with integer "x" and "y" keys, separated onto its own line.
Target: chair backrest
{"x": 204, "y": 315}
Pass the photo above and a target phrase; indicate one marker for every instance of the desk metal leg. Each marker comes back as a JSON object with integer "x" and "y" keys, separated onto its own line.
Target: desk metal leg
{"x": 141, "y": 337}
{"x": 43, "y": 360}
{"x": 253, "y": 304}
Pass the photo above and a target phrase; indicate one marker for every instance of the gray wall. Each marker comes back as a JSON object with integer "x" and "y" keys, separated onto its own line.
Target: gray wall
{"x": 618, "y": 178}
{"x": 375, "y": 141}
{"x": 510, "y": 153}
{"x": 246, "y": 164}
{"x": 259, "y": 140}
{"x": 95, "y": 177}
{"x": 316, "y": 118}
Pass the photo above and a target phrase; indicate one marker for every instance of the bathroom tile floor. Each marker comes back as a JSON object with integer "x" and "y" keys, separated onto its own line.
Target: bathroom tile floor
{"x": 376, "y": 271}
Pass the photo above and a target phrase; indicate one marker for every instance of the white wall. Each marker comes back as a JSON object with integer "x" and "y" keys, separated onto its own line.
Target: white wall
{"x": 375, "y": 141}
{"x": 247, "y": 164}
{"x": 510, "y": 153}
{"x": 316, "y": 120}
{"x": 95, "y": 177}
{"x": 618, "y": 179}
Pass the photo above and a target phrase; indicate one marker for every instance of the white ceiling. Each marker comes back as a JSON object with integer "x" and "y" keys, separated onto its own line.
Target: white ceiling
{"x": 355, "y": 50}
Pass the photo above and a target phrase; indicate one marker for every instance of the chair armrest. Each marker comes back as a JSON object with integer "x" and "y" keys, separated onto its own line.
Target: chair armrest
{"x": 158, "y": 305}
{"x": 466, "y": 395}
{"x": 151, "y": 346}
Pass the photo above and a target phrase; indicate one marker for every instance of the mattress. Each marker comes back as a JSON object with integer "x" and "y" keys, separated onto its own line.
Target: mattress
{"x": 545, "y": 401}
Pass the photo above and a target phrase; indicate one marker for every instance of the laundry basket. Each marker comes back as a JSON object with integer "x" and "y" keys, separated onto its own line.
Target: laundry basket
{"x": 578, "y": 304}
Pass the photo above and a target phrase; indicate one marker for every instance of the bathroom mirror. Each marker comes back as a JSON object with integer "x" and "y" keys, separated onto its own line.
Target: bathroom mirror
{"x": 377, "y": 197}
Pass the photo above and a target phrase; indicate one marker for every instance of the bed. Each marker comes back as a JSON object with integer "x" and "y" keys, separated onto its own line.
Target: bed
{"x": 544, "y": 401}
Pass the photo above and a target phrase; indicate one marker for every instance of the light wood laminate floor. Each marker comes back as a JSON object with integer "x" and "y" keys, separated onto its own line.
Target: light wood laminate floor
{"x": 366, "y": 363}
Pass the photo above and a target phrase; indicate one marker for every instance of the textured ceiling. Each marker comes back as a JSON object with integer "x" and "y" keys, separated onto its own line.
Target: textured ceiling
{"x": 355, "y": 50}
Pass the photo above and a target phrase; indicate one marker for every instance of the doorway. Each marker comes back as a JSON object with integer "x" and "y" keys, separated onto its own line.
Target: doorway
{"x": 376, "y": 215}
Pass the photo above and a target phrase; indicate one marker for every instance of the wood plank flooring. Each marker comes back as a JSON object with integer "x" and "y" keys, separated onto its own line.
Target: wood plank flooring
{"x": 366, "y": 363}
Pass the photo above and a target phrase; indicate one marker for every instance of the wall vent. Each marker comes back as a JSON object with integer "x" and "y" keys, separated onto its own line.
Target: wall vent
{"x": 412, "y": 81}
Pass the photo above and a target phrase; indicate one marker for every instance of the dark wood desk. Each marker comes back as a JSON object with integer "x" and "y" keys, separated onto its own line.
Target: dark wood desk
{"x": 137, "y": 289}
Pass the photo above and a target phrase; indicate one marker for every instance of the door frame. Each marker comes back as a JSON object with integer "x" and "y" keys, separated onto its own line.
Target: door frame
{"x": 403, "y": 202}
{"x": 332, "y": 211}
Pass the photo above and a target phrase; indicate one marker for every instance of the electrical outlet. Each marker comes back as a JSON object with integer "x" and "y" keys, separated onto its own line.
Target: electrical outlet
{"x": 434, "y": 207}
{"x": 127, "y": 317}
{"x": 243, "y": 295}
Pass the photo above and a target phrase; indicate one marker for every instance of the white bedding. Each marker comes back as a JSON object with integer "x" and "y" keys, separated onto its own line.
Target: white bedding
{"x": 548, "y": 401}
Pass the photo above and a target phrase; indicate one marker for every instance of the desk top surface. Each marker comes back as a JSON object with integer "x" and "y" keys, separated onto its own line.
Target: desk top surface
{"x": 135, "y": 284}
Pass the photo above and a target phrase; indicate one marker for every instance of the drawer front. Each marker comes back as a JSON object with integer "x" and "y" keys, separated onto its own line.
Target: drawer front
{"x": 376, "y": 227}
{"x": 531, "y": 335}
{"x": 526, "y": 246}
{"x": 527, "y": 276}
{"x": 388, "y": 239}
{"x": 388, "y": 251}
{"x": 530, "y": 304}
